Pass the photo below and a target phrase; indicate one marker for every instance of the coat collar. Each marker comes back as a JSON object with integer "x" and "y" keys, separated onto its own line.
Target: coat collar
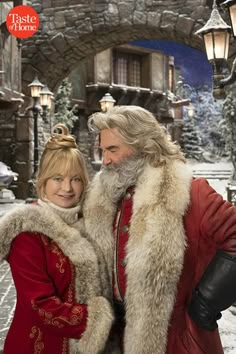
{"x": 38, "y": 219}
{"x": 155, "y": 250}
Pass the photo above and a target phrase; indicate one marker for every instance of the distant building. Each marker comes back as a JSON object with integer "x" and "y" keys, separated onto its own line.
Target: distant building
{"x": 10, "y": 84}
{"x": 133, "y": 76}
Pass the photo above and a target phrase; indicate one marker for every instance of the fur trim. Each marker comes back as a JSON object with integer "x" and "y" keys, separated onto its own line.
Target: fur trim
{"x": 155, "y": 251}
{"x": 100, "y": 213}
{"x": 99, "y": 323}
{"x": 36, "y": 219}
{"x": 91, "y": 281}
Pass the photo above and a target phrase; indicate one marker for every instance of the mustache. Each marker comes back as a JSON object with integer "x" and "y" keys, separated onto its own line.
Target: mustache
{"x": 127, "y": 164}
{"x": 117, "y": 177}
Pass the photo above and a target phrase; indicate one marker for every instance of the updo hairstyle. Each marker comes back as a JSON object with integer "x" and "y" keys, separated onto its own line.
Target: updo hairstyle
{"x": 61, "y": 157}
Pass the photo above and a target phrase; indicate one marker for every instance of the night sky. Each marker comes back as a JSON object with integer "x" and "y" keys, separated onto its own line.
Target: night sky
{"x": 194, "y": 65}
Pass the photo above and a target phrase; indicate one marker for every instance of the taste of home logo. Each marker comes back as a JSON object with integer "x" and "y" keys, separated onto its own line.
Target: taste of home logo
{"x": 22, "y": 21}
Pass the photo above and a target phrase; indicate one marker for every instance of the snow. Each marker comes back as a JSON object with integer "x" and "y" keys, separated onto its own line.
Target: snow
{"x": 227, "y": 324}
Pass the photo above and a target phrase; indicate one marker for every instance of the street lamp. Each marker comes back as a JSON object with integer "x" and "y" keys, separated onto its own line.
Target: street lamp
{"x": 216, "y": 34}
{"x": 231, "y": 6}
{"x": 45, "y": 101}
{"x": 190, "y": 110}
{"x": 107, "y": 102}
{"x": 41, "y": 95}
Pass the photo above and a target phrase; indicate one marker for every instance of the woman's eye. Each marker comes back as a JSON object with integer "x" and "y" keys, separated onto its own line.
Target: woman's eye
{"x": 77, "y": 179}
{"x": 58, "y": 179}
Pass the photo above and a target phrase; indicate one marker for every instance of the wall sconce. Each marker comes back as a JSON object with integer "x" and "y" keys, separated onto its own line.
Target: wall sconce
{"x": 107, "y": 102}
{"x": 216, "y": 34}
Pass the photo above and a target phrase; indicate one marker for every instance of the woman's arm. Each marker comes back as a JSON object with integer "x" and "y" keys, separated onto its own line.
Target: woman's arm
{"x": 36, "y": 291}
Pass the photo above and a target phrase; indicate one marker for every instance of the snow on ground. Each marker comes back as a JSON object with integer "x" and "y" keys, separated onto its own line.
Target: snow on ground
{"x": 216, "y": 168}
{"x": 227, "y": 324}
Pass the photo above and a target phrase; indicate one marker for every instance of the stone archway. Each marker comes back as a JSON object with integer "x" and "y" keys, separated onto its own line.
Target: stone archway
{"x": 71, "y": 31}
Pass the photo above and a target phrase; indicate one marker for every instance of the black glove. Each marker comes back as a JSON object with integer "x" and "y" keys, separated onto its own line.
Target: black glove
{"x": 215, "y": 292}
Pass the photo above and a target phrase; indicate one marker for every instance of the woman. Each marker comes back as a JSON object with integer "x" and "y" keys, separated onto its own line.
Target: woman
{"x": 62, "y": 290}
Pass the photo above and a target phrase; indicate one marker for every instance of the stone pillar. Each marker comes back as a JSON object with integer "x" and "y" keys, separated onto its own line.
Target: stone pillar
{"x": 24, "y": 153}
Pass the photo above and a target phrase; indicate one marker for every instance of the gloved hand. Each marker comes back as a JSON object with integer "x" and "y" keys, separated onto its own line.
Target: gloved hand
{"x": 215, "y": 292}
{"x": 200, "y": 312}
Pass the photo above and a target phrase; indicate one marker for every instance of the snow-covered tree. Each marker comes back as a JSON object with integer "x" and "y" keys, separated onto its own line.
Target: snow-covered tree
{"x": 210, "y": 123}
{"x": 190, "y": 140}
{"x": 64, "y": 112}
{"x": 229, "y": 109}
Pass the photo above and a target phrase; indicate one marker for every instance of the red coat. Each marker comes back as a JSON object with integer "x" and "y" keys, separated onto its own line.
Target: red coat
{"x": 62, "y": 290}
{"x": 210, "y": 224}
{"x": 45, "y": 313}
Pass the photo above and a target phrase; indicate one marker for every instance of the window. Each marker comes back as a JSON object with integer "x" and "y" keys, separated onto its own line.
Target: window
{"x": 127, "y": 69}
{"x": 171, "y": 78}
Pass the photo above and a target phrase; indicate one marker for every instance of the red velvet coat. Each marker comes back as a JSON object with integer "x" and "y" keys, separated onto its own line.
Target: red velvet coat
{"x": 209, "y": 225}
{"x": 176, "y": 227}
{"x": 46, "y": 313}
{"x": 60, "y": 308}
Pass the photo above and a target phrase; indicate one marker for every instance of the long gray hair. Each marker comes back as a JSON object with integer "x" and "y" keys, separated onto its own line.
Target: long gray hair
{"x": 139, "y": 129}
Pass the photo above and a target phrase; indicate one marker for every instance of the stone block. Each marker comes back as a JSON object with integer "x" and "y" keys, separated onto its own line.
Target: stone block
{"x": 59, "y": 20}
{"x": 24, "y": 169}
{"x": 168, "y": 20}
{"x": 23, "y": 128}
{"x": 139, "y": 18}
{"x": 184, "y": 25}
{"x": 23, "y": 153}
{"x": 153, "y": 19}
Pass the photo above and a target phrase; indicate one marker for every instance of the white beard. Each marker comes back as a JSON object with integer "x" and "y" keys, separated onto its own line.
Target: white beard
{"x": 116, "y": 178}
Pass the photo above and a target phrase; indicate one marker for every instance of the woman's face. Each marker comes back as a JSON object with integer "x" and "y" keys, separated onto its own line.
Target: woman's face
{"x": 64, "y": 191}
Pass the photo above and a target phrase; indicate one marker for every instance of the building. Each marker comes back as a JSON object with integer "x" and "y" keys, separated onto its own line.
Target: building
{"x": 133, "y": 76}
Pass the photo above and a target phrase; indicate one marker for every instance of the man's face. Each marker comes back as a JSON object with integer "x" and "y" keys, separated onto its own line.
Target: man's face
{"x": 114, "y": 149}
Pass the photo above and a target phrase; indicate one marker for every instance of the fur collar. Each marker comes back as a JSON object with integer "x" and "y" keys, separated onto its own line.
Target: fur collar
{"x": 71, "y": 240}
{"x": 155, "y": 249}
{"x": 91, "y": 278}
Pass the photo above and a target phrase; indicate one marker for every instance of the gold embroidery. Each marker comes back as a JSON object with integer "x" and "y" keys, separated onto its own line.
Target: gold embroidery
{"x": 52, "y": 246}
{"x": 38, "y": 345}
{"x": 71, "y": 289}
{"x": 62, "y": 259}
{"x": 60, "y": 321}
{"x": 64, "y": 345}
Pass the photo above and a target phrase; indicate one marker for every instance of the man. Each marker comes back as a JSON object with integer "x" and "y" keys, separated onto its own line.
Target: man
{"x": 169, "y": 240}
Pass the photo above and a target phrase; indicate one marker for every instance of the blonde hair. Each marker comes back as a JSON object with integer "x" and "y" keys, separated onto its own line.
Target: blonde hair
{"x": 139, "y": 129}
{"x": 60, "y": 157}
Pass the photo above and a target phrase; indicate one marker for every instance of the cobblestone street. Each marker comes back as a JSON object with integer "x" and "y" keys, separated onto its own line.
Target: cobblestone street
{"x": 7, "y": 301}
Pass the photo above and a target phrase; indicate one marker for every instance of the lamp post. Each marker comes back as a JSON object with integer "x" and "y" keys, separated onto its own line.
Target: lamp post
{"x": 36, "y": 87}
{"x": 41, "y": 99}
{"x": 107, "y": 102}
{"x": 216, "y": 35}
{"x": 45, "y": 101}
{"x": 231, "y": 6}
{"x": 191, "y": 110}
{"x": 183, "y": 90}
{"x": 184, "y": 93}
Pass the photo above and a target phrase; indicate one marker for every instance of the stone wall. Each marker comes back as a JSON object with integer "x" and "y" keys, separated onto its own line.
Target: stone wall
{"x": 72, "y": 30}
